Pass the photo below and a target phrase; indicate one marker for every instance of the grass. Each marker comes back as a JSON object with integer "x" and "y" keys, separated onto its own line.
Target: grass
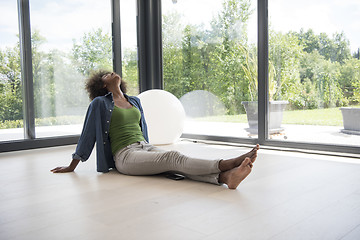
{"x": 324, "y": 117}
{"x": 50, "y": 121}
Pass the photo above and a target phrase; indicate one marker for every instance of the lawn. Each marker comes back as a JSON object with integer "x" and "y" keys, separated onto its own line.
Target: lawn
{"x": 325, "y": 117}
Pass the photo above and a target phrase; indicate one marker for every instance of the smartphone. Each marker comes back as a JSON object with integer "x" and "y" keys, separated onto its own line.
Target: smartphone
{"x": 175, "y": 176}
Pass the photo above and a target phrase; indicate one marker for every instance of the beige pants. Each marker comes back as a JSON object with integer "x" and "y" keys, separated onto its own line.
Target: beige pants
{"x": 145, "y": 159}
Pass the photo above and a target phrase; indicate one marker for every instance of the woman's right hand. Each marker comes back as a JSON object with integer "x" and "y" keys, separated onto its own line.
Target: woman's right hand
{"x": 69, "y": 168}
{"x": 62, "y": 169}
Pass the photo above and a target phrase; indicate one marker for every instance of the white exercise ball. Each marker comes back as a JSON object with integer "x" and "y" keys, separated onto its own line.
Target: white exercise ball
{"x": 164, "y": 115}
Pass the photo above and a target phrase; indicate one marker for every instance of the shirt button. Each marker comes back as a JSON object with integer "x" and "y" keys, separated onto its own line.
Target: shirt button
{"x": 107, "y": 121}
{"x": 105, "y": 132}
{"x": 104, "y": 143}
{"x": 110, "y": 110}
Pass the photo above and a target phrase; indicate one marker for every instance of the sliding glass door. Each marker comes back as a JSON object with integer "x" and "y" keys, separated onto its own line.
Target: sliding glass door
{"x": 11, "y": 110}
{"x": 314, "y": 71}
{"x": 210, "y": 63}
{"x": 69, "y": 40}
{"x": 129, "y": 46}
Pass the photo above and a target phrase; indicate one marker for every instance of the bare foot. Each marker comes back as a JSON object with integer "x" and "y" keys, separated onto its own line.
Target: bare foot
{"x": 252, "y": 154}
{"x": 235, "y": 176}
{"x": 228, "y": 164}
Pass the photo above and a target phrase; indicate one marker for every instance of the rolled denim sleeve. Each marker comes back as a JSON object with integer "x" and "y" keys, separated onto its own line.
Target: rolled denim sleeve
{"x": 88, "y": 135}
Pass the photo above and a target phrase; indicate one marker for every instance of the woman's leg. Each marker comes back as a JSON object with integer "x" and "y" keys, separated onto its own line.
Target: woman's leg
{"x": 208, "y": 178}
{"x": 143, "y": 159}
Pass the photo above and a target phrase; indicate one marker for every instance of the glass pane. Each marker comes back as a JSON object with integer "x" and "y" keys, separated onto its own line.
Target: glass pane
{"x": 210, "y": 63}
{"x": 70, "y": 40}
{"x": 129, "y": 46}
{"x": 11, "y": 113}
{"x": 315, "y": 69}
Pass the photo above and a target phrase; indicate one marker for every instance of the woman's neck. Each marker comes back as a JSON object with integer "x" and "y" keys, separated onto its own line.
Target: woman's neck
{"x": 120, "y": 100}
{"x": 117, "y": 93}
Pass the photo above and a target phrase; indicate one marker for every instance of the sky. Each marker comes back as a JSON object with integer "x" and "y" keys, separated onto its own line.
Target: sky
{"x": 329, "y": 16}
{"x": 61, "y": 21}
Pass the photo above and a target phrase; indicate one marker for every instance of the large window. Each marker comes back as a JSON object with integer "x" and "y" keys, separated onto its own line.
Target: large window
{"x": 11, "y": 111}
{"x": 214, "y": 61}
{"x": 210, "y": 63}
{"x": 314, "y": 68}
{"x": 129, "y": 45}
{"x": 70, "y": 39}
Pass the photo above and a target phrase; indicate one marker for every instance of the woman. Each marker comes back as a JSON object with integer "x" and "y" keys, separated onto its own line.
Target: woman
{"x": 115, "y": 121}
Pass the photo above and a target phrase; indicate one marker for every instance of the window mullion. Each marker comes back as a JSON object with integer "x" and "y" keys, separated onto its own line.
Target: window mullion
{"x": 116, "y": 36}
{"x": 263, "y": 56}
{"x": 26, "y": 69}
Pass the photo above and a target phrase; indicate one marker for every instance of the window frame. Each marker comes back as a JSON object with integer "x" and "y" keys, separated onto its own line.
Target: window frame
{"x": 263, "y": 92}
{"x": 150, "y": 77}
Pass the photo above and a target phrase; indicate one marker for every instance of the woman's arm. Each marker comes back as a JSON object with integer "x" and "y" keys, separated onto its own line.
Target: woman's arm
{"x": 69, "y": 168}
{"x": 84, "y": 145}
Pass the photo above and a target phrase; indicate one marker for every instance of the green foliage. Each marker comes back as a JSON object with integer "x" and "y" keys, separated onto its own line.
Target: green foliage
{"x": 250, "y": 68}
{"x": 6, "y": 124}
{"x": 50, "y": 121}
{"x": 230, "y": 25}
{"x": 336, "y": 49}
{"x": 208, "y": 59}
{"x": 10, "y": 101}
{"x": 130, "y": 71}
{"x": 305, "y": 69}
{"x": 93, "y": 52}
{"x": 58, "y": 86}
{"x": 10, "y": 84}
{"x": 322, "y": 117}
{"x": 60, "y": 120}
{"x": 309, "y": 70}
{"x": 349, "y": 80}
{"x": 285, "y": 53}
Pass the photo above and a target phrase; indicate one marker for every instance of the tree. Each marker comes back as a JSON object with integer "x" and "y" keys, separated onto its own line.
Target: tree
{"x": 93, "y": 52}
{"x": 10, "y": 84}
{"x": 211, "y": 60}
{"x": 130, "y": 71}
{"x": 336, "y": 49}
{"x": 43, "y": 77}
{"x": 172, "y": 54}
{"x": 341, "y": 51}
{"x": 194, "y": 59}
{"x": 229, "y": 31}
{"x": 231, "y": 23}
{"x": 349, "y": 80}
{"x": 285, "y": 53}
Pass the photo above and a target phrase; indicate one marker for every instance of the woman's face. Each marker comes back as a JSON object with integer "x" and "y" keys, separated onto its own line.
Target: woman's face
{"x": 111, "y": 79}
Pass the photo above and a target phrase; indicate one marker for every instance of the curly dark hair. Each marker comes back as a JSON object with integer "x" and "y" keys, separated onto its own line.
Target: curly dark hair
{"x": 95, "y": 86}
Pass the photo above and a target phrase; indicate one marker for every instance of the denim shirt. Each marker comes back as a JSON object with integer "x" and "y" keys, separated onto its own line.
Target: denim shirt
{"x": 96, "y": 129}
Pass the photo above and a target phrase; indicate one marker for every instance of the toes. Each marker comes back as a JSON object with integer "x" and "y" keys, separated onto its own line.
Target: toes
{"x": 246, "y": 161}
{"x": 255, "y": 149}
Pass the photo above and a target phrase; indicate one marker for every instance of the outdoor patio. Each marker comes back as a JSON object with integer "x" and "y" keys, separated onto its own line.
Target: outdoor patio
{"x": 293, "y": 133}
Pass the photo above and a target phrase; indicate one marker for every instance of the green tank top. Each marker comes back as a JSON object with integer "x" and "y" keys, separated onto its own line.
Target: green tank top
{"x": 124, "y": 128}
